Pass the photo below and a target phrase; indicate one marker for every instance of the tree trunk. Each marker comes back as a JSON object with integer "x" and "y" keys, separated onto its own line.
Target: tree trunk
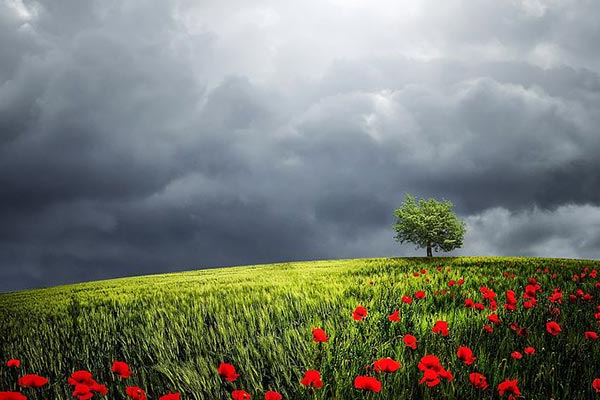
{"x": 429, "y": 253}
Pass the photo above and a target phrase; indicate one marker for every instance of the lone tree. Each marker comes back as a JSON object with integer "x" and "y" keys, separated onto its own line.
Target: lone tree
{"x": 429, "y": 224}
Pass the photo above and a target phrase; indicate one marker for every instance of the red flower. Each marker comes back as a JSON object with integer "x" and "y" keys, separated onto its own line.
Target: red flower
{"x": 553, "y": 328}
{"x": 479, "y": 306}
{"x": 319, "y": 335}
{"x": 420, "y": 294}
{"x": 430, "y": 378}
{"x": 271, "y": 395}
{"x": 13, "y": 363}
{"x": 591, "y": 335}
{"x": 407, "y": 299}
{"x": 122, "y": 369}
{"x": 240, "y": 395}
{"x": 32, "y": 380}
{"x": 509, "y": 386}
{"x": 395, "y": 316}
{"x": 98, "y": 388}
{"x": 493, "y": 318}
{"x": 367, "y": 383}
{"x": 465, "y": 354}
{"x": 227, "y": 371}
{"x": 312, "y": 377}
{"x": 529, "y": 350}
{"x": 170, "y": 396}
{"x": 82, "y": 392}
{"x": 460, "y": 282}
{"x": 478, "y": 380}
{"x": 451, "y": 282}
{"x": 81, "y": 377}
{"x": 410, "y": 341}
{"x": 596, "y": 385}
{"x": 359, "y": 313}
{"x": 432, "y": 371}
{"x": 136, "y": 393}
{"x": 488, "y": 328}
{"x": 469, "y": 303}
{"x": 12, "y": 396}
{"x": 386, "y": 365}
{"x": 423, "y": 271}
{"x": 441, "y": 327}
{"x": 516, "y": 355}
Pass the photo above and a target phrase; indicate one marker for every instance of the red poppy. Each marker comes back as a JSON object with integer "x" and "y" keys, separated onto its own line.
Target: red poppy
{"x": 509, "y": 386}
{"x": 410, "y": 341}
{"x": 591, "y": 335}
{"x": 423, "y": 271}
{"x": 441, "y": 327}
{"x": 13, "y": 363}
{"x": 122, "y": 369}
{"x": 493, "y": 318}
{"x": 430, "y": 378}
{"x": 596, "y": 385}
{"x": 240, "y": 395}
{"x": 451, "y": 282}
{"x": 460, "y": 282}
{"x": 469, "y": 303}
{"x": 407, "y": 299}
{"x": 80, "y": 377}
{"x": 465, "y": 354}
{"x": 312, "y": 378}
{"x": 170, "y": 396}
{"x": 432, "y": 371}
{"x": 488, "y": 328}
{"x": 319, "y": 335}
{"x": 359, "y": 313}
{"x": 135, "y": 393}
{"x": 271, "y": 395}
{"x": 479, "y": 306}
{"x": 553, "y": 328}
{"x": 82, "y": 392}
{"x": 32, "y": 380}
{"x": 478, "y": 380}
{"x": 395, "y": 316}
{"x": 420, "y": 294}
{"x": 367, "y": 383}
{"x": 227, "y": 371}
{"x": 529, "y": 350}
{"x": 516, "y": 355}
{"x": 12, "y": 396}
{"x": 386, "y": 365}
{"x": 98, "y": 388}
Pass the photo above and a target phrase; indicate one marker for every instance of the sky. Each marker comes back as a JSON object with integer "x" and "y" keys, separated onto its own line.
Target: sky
{"x": 141, "y": 137}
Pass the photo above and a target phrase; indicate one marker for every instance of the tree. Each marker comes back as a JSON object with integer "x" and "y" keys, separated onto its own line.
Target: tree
{"x": 429, "y": 224}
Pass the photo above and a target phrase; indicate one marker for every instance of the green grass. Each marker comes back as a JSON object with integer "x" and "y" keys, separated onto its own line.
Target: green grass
{"x": 175, "y": 329}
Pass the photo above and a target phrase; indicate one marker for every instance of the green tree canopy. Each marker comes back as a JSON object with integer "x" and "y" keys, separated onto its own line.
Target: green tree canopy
{"x": 429, "y": 224}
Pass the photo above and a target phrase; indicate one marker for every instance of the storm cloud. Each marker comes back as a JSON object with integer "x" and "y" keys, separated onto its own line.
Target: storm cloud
{"x": 149, "y": 136}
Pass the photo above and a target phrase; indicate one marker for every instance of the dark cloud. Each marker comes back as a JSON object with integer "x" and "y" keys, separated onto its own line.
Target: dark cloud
{"x": 143, "y": 137}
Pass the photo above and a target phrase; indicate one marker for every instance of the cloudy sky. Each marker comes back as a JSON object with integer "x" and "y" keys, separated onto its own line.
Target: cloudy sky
{"x": 139, "y": 137}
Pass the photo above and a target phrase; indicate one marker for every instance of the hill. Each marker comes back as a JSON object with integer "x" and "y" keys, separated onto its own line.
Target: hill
{"x": 175, "y": 329}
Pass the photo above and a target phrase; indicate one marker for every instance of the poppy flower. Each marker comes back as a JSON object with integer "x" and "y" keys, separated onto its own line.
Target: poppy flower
{"x": 359, "y": 313}
{"x": 488, "y": 328}
{"x": 312, "y": 378}
{"x": 271, "y": 395}
{"x": 80, "y": 377}
{"x": 240, "y": 395}
{"x": 407, "y": 299}
{"x": 430, "y": 378}
{"x": 493, "y": 318}
{"x": 596, "y": 385}
{"x": 423, "y": 271}
{"x": 529, "y": 350}
{"x": 465, "y": 354}
{"x": 460, "y": 282}
{"x": 135, "y": 393}
{"x": 367, "y": 383}
{"x": 478, "y": 380}
{"x": 509, "y": 386}
{"x": 12, "y": 396}
{"x": 319, "y": 335}
{"x": 516, "y": 355}
{"x": 553, "y": 328}
{"x": 410, "y": 341}
{"x": 227, "y": 371}
{"x": 451, "y": 282}
{"x": 420, "y": 294}
{"x": 469, "y": 303}
{"x": 386, "y": 365}
{"x": 98, "y": 388}
{"x": 82, "y": 392}
{"x": 32, "y": 380}
{"x": 395, "y": 316}
{"x": 441, "y": 327}
{"x": 14, "y": 363}
{"x": 170, "y": 396}
{"x": 591, "y": 335}
{"x": 479, "y": 306}
{"x": 122, "y": 369}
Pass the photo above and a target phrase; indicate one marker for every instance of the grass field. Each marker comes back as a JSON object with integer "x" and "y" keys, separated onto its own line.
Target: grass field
{"x": 175, "y": 329}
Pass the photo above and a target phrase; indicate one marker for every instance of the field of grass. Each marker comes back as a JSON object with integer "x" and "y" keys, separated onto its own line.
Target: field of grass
{"x": 175, "y": 329}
